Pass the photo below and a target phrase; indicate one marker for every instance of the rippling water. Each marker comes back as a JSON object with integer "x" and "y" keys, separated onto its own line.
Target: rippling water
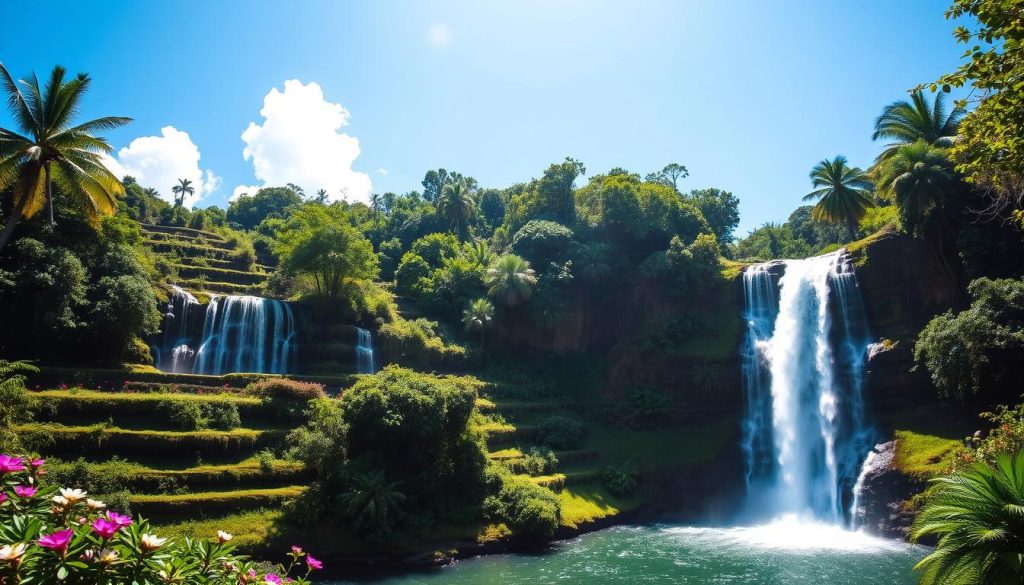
{"x": 787, "y": 553}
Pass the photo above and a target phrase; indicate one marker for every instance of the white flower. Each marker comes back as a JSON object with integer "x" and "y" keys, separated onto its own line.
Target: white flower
{"x": 94, "y": 504}
{"x": 223, "y": 537}
{"x": 61, "y": 501}
{"x": 108, "y": 556}
{"x": 73, "y": 496}
{"x": 152, "y": 541}
{"x": 12, "y": 552}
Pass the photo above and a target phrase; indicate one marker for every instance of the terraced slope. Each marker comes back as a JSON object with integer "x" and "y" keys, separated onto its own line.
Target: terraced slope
{"x": 205, "y": 261}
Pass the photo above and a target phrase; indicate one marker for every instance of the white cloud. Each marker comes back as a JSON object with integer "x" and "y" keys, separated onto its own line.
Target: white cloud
{"x": 382, "y": 171}
{"x": 439, "y": 34}
{"x": 243, "y": 190}
{"x": 300, "y": 142}
{"x": 159, "y": 161}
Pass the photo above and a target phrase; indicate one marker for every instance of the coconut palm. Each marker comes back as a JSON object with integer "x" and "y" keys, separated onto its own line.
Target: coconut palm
{"x": 906, "y": 122}
{"x": 510, "y": 279}
{"x": 375, "y": 206}
{"x": 591, "y": 262}
{"x": 978, "y": 517}
{"x": 478, "y": 316}
{"x": 918, "y": 177}
{"x": 478, "y": 253}
{"x": 52, "y": 149}
{"x": 321, "y": 196}
{"x": 183, "y": 188}
{"x": 457, "y": 205}
{"x": 372, "y": 501}
{"x": 843, "y": 193}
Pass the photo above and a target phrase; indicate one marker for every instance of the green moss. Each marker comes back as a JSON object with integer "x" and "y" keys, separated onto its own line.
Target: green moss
{"x": 924, "y": 456}
{"x": 588, "y": 503}
{"x": 211, "y": 503}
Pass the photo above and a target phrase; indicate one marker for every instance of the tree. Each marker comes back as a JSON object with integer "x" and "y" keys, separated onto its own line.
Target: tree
{"x": 510, "y": 279}
{"x": 272, "y": 202}
{"x": 321, "y": 196}
{"x": 976, "y": 515}
{"x": 181, "y": 190}
{"x": 919, "y": 178}
{"x": 541, "y": 242}
{"x": 375, "y": 206}
{"x": 843, "y": 193}
{"x": 54, "y": 150}
{"x": 373, "y": 502}
{"x": 591, "y": 262}
{"x": 320, "y": 243}
{"x": 989, "y": 151}
{"x": 721, "y": 209}
{"x": 906, "y": 122}
{"x": 478, "y": 317}
{"x": 669, "y": 176}
{"x": 456, "y": 205}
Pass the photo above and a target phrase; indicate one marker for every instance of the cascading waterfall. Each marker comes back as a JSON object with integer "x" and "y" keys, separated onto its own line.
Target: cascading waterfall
{"x": 234, "y": 334}
{"x": 803, "y": 363}
{"x": 365, "y": 363}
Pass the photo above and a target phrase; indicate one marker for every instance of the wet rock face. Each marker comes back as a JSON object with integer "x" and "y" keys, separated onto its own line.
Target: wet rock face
{"x": 884, "y": 494}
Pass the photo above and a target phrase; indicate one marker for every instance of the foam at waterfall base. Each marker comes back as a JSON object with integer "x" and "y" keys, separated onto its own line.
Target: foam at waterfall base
{"x": 791, "y": 533}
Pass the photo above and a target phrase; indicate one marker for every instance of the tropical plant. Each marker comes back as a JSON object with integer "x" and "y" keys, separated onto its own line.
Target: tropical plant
{"x": 976, "y": 515}
{"x": 373, "y": 502}
{"x": 918, "y": 177}
{"x": 510, "y": 279}
{"x": 54, "y": 150}
{"x": 591, "y": 262}
{"x": 906, "y": 122}
{"x": 479, "y": 317}
{"x": 321, "y": 196}
{"x": 478, "y": 253}
{"x": 456, "y": 205}
{"x": 183, "y": 189}
{"x": 375, "y": 206}
{"x": 843, "y": 193}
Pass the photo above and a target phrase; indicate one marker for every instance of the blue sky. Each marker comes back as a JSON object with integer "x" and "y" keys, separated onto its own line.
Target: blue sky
{"x": 749, "y": 95}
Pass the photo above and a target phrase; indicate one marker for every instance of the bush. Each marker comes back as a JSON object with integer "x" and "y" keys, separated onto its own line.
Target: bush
{"x": 223, "y": 416}
{"x": 285, "y": 389}
{"x": 559, "y": 432}
{"x": 14, "y": 402}
{"x": 620, "y": 480}
{"x": 185, "y": 416}
{"x": 525, "y": 507}
{"x": 649, "y": 404}
{"x": 537, "y": 461}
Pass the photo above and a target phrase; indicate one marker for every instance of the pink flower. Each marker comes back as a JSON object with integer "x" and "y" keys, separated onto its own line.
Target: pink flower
{"x": 119, "y": 519}
{"x": 58, "y": 540}
{"x": 314, "y": 564}
{"x": 25, "y": 491}
{"x": 296, "y": 550}
{"x": 10, "y": 464}
{"x": 37, "y": 462}
{"x": 3, "y": 498}
{"x": 272, "y": 579}
{"x": 105, "y": 528}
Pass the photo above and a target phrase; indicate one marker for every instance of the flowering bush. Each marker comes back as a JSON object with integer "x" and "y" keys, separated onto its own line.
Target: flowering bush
{"x": 285, "y": 389}
{"x": 51, "y": 535}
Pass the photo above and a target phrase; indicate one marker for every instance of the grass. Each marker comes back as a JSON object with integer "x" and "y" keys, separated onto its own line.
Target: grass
{"x": 924, "y": 456}
{"x": 99, "y": 439}
{"x": 211, "y": 503}
{"x": 143, "y": 399}
{"x": 588, "y": 503}
{"x": 252, "y": 530}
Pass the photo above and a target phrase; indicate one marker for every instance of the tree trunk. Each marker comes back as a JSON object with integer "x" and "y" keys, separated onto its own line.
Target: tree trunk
{"x": 851, "y": 224}
{"x": 12, "y": 222}
{"x": 49, "y": 190}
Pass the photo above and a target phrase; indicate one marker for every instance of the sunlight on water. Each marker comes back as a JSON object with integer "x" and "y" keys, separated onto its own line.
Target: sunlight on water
{"x": 790, "y": 533}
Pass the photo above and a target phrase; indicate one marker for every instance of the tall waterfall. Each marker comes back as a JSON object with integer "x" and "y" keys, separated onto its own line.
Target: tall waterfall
{"x": 803, "y": 372}
{"x": 365, "y": 363}
{"x": 232, "y": 334}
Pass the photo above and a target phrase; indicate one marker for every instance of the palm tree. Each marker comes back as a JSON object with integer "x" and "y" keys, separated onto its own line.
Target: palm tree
{"x": 321, "y": 196}
{"x": 978, "y": 516}
{"x": 918, "y": 177}
{"x": 479, "y": 254}
{"x": 375, "y": 206}
{"x": 906, "y": 122}
{"x": 183, "y": 188}
{"x": 591, "y": 262}
{"x": 457, "y": 205}
{"x": 510, "y": 279}
{"x": 52, "y": 150}
{"x": 479, "y": 316}
{"x": 844, "y": 193}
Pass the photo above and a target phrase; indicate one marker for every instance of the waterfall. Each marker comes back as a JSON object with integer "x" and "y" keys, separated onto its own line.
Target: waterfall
{"x": 365, "y": 363}
{"x": 804, "y": 433}
{"x": 234, "y": 334}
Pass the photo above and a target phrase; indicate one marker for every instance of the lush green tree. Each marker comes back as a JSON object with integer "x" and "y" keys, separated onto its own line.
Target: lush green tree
{"x": 989, "y": 151}
{"x": 273, "y": 202}
{"x": 435, "y": 181}
{"x": 541, "y": 241}
{"x": 919, "y": 179}
{"x": 816, "y": 233}
{"x": 54, "y": 150}
{"x": 478, "y": 317}
{"x": 456, "y": 205}
{"x": 372, "y": 502}
{"x": 492, "y": 207}
{"x": 771, "y": 241}
{"x": 15, "y": 404}
{"x": 721, "y": 209}
{"x": 478, "y": 253}
{"x": 977, "y": 351}
{"x": 669, "y": 176}
{"x": 843, "y": 193}
{"x": 182, "y": 190}
{"x": 141, "y": 203}
{"x": 976, "y": 515}
{"x": 590, "y": 261}
{"x": 321, "y": 196}
{"x": 375, "y": 204}
{"x": 550, "y": 197}
{"x": 906, "y": 122}
{"x": 510, "y": 279}
{"x": 321, "y": 442}
{"x": 320, "y": 243}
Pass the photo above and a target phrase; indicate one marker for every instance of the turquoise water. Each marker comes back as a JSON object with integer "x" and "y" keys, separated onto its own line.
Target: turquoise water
{"x": 784, "y": 553}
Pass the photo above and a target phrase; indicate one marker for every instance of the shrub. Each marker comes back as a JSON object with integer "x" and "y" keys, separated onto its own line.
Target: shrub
{"x": 539, "y": 461}
{"x": 14, "y": 402}
{"x": 620, "y": 480}
{"x": 48, "y": 543}
{"x": 185, "y": 416}
{"x": 559, "y": 432}
{"x": 526, "y": 508}
{"x": 285, "y": 389}
{"x": 223, "y": 416}
{"x": 648, "y": 403}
